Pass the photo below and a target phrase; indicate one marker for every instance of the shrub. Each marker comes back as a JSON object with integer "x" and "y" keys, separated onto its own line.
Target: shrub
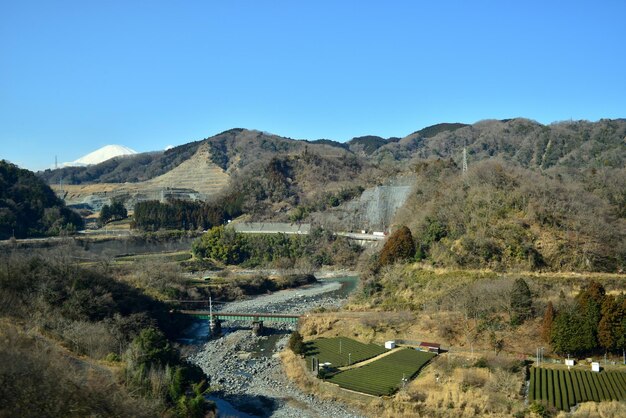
{"x": 296, "y": 343}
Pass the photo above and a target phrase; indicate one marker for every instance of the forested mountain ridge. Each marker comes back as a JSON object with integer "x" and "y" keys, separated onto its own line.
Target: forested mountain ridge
{"x": 229, "y": 150}
{"x": 29, "y": 208}
{"x": 578, "y": 144}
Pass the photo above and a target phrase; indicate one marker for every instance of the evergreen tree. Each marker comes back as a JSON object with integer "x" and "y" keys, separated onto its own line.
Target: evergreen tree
{"x": 571, "y": 332}
{"x": 590, "y": 301}
{"x": 612, "y": 324}
{"x": 521, "y": 302}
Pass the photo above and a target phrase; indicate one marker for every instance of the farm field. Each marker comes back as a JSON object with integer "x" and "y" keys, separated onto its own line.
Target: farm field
{"x": 341, "y": 351}
{"x": 565, "y": 388}
{"x": 383, "y": 376}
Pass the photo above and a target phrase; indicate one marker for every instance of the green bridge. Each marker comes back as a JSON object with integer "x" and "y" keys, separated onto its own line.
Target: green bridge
{"x": 248, "y": 317}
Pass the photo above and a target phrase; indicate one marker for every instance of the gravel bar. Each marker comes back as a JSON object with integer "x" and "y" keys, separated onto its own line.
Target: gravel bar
{"x": 255, "y": 385}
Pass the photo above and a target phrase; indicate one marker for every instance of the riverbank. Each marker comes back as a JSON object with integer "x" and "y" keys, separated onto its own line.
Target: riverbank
{"x": 247, "y": 370}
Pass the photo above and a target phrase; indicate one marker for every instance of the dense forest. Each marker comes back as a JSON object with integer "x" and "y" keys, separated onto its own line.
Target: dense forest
{"x": 29, "y": 208}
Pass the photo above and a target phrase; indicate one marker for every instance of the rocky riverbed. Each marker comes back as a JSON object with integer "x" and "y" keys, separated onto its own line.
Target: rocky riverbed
{"x": 247, "y": 370}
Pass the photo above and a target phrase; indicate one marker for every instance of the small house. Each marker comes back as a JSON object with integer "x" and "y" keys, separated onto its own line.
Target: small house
{"x": 595, "y": 367}
{"x": 570, "y": 362}
{"x": 430, "y": 347}
{"x": 390, "y": 344}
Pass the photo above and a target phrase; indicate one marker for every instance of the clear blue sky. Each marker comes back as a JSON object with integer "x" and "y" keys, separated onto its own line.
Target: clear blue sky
{"x": 78, "y": 75}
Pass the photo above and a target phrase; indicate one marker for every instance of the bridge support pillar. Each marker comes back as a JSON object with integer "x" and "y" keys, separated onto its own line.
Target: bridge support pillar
{"x": 216, "y": 326}
{"x": 257, "y": 327}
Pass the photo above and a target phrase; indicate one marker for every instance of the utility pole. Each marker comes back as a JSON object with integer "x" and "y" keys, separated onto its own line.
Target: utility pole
{"x": 210, "y": 309}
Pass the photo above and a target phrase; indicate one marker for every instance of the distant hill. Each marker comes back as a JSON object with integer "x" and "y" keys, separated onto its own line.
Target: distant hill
{"x": 579, "y": 144}
{"x": 368, "y": 144}
{"x": 29, "y": 208}
{"x": 433, "y": 130}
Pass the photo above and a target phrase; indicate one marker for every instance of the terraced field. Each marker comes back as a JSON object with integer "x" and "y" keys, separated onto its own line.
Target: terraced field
{"x": 565, "y": 388}
{"x": 341, "y": 351}
{"x": 383, "y": 376}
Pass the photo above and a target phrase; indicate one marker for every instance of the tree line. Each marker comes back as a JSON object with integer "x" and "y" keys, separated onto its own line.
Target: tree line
{"x": 311, "y": 251}
{"x": 594, "y": 319}
{"x": 183, "y": 215}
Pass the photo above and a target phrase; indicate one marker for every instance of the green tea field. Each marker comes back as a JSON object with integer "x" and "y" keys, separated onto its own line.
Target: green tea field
{"x": 565, "y": 388}
{"x": 383, "y": 376}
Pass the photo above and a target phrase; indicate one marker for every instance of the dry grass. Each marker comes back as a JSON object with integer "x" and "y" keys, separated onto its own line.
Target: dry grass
{"x": 612, "y": 409}
{"x": 41, "y": 378}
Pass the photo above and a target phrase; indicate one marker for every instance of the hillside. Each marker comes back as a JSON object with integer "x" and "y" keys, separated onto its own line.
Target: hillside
{"x": 502, "y": 216}
{"x": 528, "y": 143}
{"x": 203, "y": 169}
{"x": 578, "y": 144}
{"x": 29, "y": 208}
{"x": 269, "y": 177}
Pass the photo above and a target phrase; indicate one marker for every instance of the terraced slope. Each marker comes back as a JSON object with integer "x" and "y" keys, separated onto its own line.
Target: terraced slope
{"x": 197, "y": 177}
{"x": 197, "y": 173}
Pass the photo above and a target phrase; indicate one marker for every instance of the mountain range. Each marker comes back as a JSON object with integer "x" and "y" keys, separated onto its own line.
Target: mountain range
{"x": 203, "y": 169}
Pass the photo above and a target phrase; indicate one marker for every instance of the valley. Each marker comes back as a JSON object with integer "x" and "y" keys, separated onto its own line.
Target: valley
{"x": 489, "y": 241}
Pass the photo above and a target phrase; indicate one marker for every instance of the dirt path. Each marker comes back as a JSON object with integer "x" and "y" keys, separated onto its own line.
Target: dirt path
{"x": 364, "y": 362}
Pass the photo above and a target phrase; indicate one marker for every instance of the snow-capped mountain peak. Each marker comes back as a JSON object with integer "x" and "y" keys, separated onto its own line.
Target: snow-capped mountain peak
{"x": 105, "y": 153}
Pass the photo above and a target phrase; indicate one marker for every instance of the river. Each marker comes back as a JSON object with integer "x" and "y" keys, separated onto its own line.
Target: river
{"x": 246, "y": 368}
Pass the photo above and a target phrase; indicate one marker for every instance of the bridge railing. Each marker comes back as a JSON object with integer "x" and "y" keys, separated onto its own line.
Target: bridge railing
{"x": 233, "y": 316}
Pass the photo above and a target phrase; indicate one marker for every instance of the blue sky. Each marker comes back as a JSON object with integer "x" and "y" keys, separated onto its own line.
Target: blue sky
{"x": 78, "y": 75}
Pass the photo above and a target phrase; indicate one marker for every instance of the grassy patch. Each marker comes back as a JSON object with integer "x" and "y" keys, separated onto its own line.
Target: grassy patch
{"x": 383, "y": 376}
